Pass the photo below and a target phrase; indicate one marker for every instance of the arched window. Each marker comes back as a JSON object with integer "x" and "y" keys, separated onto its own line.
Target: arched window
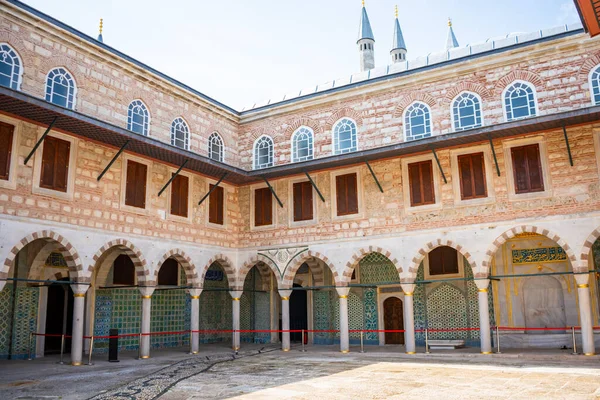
{"x": 263, "y": 152}
{"x": 466, "y": 111}
{"x": 302, "y": 144}
{"x": 216, "y": 149}
{"x": 595, "y": 85}
{"x": 519, "y": 101}
{"x": 344, "y": 136}
{"x": 417, "y": 121}
{"x": 138, "y": 117}
{"x": 60, "y": 88}
{"x": 180, "y": 134}
{"x": 10, "y": 67}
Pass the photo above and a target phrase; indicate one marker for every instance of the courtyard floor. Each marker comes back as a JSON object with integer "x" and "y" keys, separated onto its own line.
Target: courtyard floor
{"x": 264, "y": 372}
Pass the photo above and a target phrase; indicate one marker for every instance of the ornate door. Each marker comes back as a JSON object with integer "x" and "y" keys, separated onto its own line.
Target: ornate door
{"x": 393, "y": 319}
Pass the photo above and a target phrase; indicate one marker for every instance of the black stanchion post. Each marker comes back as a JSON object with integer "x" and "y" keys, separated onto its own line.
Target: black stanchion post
{"x": 62, "y": 348}
{"x": 426, "y": 341}
{"x": 113, "y": 345}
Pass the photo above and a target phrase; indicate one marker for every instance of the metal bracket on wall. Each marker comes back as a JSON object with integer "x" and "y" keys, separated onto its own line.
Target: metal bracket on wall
{"x": 40, "y": 140}
{"x": 315, "y": 186}
{"x": 172, "y": 178}
{"x": 273, "y": 191}
{"x": 494, "y": 154}
{"x": 112, "y": 161}
{"x": 568, "y": 145}
{"x": 374, "y": 176}
{"x": 439, "y": 165}
{"x": 213, "y": 188}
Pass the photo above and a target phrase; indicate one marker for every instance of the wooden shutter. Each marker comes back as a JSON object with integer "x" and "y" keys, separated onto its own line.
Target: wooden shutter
{"x": 263, "y": 207}
{"x": 443, "y": 260}
{"x": 215, "y": 205}
{"x": 55, "y": 164}
{"x": 135, "y": 187}
{"x": 303, "y": 201}
{"x": 179, "y": 196}
{"x": 527, "y": 169}
{"x": 472, "y": 176}
{"x": 6, "y": 142}
{"x": 420, "y": 182}
{"x": 168, "y": 273}
{"x": 123, "y": 271}
{"x": 346, "y": 194}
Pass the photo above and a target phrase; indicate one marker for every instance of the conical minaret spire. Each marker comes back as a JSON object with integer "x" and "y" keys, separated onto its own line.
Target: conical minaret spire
{"x": 100, "y": 39}
{"x": 398, "y": 46}
{"x": 451, "y": 41}
{"x": 366, "y": 42}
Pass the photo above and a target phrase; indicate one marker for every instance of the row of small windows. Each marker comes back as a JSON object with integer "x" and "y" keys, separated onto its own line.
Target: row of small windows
{"x": 519, "y": 102}
{"x": 366, "y": 46}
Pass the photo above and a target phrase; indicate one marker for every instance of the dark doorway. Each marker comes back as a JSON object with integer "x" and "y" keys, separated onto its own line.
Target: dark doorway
{"x": 298, "y": 313}
{"x": 393, "y": 319}
{"x": 58, "y": 319}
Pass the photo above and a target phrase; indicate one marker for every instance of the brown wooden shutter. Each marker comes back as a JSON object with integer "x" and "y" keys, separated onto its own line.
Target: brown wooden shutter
{"x": 443, "y": 260}
{"x": 215, "y": 214}
{"x": 427, "y": 182}
{"x": 123, "y": 271}
{"x": 263, "y": 207}
{"x": 527, "y": 169}
{"x": 346, "y": 194}
{"x": 175, "y": 197}
{"x": 179, "y": 196}
{"x": 536, "y": 180}
{"x": 168, "y": 274}
{"x": 135, "y": 187}
{"x": 472, "y": 176}
{"x": 420, "y": 181}
{"x": 6, "y": 142}
{"x": 414, "y": 181}
{"x": 55, "y": 164}
{"x": 48, "y": 161}
{"x": 303, "y": 201}
{"x": 340, "y": 190}
{"x": 61, "y": 175}
{"x": 466, "y": 178}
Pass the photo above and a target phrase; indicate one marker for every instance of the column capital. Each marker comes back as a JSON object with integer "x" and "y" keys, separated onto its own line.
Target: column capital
{"x": 79, "y": 290}
{"x": 235, "y": 294}
{"x": 342, "y": 291}
{"x": 408, "y": 287}
{"x": 146, "y": 291}
{"x": 195, "y": 292}
{"x": 482, "y": 284}
{"x": 285, "y": 293}
{"x": 582, "y": 279}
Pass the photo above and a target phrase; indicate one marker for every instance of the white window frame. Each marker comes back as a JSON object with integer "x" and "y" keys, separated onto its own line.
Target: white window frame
{"x": 146, "y": 127}
{"x": 314, "y": 219}
{"x": 11, "y": 183}
{"x": 142, "y": 211}
{"x": 335, "y": 137}
{"x": 455, "y": 121}
{"x": 408, "y": 208}
{"x": 15, "y": 85}
{"x": 594, "y": 71}
{"x": 535, "y": 100}
{"x": 37, "y": 167}
{"x": 510, "y": 177}
{"x": 49, "y": 95}
{"x": 273, "y": 208}
{"x": 311, "y": 147}
{"x": 427, "y": 123}
{"x": 181, "y": 120}
{"x": 211, "y": 138}
{"x": 490, "y": 173}
{"x": 173, "y": 217}
{"x": 359, "y": 188}
{"x": 255, "y": 156}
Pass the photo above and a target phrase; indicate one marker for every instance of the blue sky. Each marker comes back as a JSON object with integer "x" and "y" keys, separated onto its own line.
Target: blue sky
{"x": 241, "y": 52}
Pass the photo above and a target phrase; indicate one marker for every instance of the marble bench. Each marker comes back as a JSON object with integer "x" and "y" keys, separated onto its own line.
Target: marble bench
{"x": 446, "y": 344}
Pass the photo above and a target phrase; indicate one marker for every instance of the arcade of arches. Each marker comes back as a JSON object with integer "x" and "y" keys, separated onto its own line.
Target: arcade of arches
{"x": 531, "y": 287}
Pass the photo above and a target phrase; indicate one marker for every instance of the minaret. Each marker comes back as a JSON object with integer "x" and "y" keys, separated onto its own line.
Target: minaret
{"x": 451, "y": 41}
{"x": 366, "y": 42}
{"x": 100, "y": 32}
{"x": 398, "y": 46}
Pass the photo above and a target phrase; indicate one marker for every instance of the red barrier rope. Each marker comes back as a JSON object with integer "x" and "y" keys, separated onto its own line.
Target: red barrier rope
{"x": 51, "y": 335}
{"x": 518, "y": 328}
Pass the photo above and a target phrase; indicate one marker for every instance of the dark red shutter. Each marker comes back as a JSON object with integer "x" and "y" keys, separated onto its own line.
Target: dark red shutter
{"x": 303, "y": 201}
{"x": 135, "y": 187}
{"x": 6, "y": 142}
{"x": 263, "y": 207}
{"x": 215, "y": 214}
{"x": 61, "y": 175}
{"x": 527, "y": 169}
{"x": 55, "y": 164}
{"x": 179, "y": 196}
{"x": 420, "y": 181}
{"x": 414, "y": 181}
{"x": 472, "y": 176}
{"x": 536, "y": 180}
{"x": 123, "y": 271}
{"x": 346, "y": 194}
{"x": 479, "y": 182}
{"x": 175, "y": 198}
{"x": 443, "y": 260}
{"x": 340, "y": 194}
{"x": 48, "y": 161}
{"x": 168, "y": 273}
{"x": 427, "y": 182}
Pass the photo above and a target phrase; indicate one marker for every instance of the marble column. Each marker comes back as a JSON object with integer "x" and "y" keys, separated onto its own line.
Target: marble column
{"x": 485, "y": 334}
{"x": 78, "y": 318}
{"x": 585, "y": 314}
{"x": 344, "y": 329}
{"x": 235, "y": 308}
{"x": 195, "y": 320}
{"x": 285, "y": 318}
{"x": 409, "y": 318}
{"x": 146, "y": 292}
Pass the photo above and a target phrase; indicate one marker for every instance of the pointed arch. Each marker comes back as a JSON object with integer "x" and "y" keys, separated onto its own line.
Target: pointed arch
{"x": 467, "y": 86}
{"x": 227, "y": 266}
{"x": 423, "y": 251}
{"x": 186, "y": 263}
{"x": 64, "y": 247}
{"x": 410, "y": 99}
{"x": 587, "y": 248}
{"x": 345, "y": 112}
{"x": 287, "y": 281}
{"x": 588, "y": 65}
{"x": 500, "y": 240}
{"x": 142, "y": 271}
{"x": 362, "y": 253}
{"x": 259, "y": 260}
{"x": 296, "y": 124}
{"x": 518, "y": 75}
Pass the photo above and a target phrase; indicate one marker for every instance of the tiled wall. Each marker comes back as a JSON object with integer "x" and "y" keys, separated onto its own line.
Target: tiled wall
{"x": 255, "y": 310}
{"x": 26, "y": 309}
{"x": 120, "y": 309}
{"x": 215, "y": 309}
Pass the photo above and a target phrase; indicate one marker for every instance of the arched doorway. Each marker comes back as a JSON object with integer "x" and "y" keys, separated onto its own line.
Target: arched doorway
{"x": 298, "y": 313}
{"x": 543, "y": 304}
{"x": 393, "y": 319}
{"x": 59, "y": 317}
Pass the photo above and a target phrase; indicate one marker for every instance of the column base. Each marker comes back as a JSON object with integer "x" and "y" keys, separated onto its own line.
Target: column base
{"x": 194, "y": 352}
{"x": 344, "y": 351}
{"x": 486, "y": 352}
{"x": 285, "y": 349}
{"x": 589, "y": 354}
{"x": 76, "y": 364}
{"x": 144, "y": 357}
{"x": 411, "y": 352}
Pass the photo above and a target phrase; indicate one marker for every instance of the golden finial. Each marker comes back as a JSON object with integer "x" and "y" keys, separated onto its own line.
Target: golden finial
{"x": 449, "y": 22}
{"x": 101, "y": 26}
{"x": 396, "y": 11}
{"x": 363, "y": 3}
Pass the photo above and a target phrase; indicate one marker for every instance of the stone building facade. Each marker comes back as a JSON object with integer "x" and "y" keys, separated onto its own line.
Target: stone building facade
{"x": 239, "y": 262}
